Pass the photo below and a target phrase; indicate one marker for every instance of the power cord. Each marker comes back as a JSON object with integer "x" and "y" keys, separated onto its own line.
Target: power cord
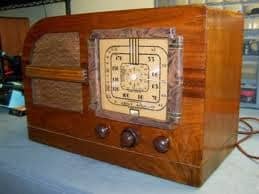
{"x": 251, "y": 131}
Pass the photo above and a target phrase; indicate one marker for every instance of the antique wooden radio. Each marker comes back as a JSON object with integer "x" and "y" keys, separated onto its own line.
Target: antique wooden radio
{"x": 154, "y": 90}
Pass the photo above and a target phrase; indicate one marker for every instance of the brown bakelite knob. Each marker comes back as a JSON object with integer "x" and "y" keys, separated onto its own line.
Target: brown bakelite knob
{"x": 102, "y": 130}
{"x": 129, "y": 138}
{"x": 161, "y": 144}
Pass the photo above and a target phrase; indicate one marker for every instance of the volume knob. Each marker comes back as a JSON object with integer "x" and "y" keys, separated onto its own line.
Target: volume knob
{"x": 129, "y": 138}
{"x": 102, "y": 130}
{"x": 161, "y": 144}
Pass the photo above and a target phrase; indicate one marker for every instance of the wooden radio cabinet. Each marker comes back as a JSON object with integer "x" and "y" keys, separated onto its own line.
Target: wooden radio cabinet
{"x": 154, "y": 90}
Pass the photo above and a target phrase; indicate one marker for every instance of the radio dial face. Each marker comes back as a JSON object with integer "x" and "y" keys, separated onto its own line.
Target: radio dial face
{"x": 133, "y": 76}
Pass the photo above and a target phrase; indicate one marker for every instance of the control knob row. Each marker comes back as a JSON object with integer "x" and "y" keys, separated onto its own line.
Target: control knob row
{"x": 129, "y": 138}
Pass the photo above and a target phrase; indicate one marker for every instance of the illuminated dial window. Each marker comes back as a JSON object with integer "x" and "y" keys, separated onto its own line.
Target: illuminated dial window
{"x": 133, "y": 75}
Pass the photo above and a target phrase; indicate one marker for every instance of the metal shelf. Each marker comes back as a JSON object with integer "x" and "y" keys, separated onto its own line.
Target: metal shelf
{"x": 248, "y": 82}
{"x": 252, "y": 16}
{"x": 251, "y": 58}
{"x": 249, "y": 105}
{"x": 224, "y": 3}
{"x": 14, "y": 4}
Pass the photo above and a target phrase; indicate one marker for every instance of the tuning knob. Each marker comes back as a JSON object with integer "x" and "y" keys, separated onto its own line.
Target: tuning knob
{"x": 129, "y": 138}
{"x": 161, "y": 144}
{"x": 102, "y": 130}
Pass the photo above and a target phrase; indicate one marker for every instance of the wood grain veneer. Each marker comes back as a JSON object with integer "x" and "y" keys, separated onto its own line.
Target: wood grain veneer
{"x": 207, "y": 130}
{"x": 76, "y": 74}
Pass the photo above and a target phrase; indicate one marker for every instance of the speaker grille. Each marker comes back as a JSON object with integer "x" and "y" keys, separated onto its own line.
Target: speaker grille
{"x": 57, "y": 94}
{"x": 57, "y": 49}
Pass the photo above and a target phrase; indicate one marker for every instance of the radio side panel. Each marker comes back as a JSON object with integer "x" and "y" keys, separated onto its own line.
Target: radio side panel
{"x": 225, "y": 40}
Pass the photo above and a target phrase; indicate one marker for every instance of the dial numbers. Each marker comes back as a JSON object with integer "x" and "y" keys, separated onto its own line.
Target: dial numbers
{"x": 133, "y": 76}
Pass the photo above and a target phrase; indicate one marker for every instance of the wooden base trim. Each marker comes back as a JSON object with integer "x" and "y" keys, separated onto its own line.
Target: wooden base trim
{"x": 182, "y": 173}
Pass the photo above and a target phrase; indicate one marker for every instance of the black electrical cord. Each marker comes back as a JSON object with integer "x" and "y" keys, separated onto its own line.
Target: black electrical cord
{"x": 251, "y": 131}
